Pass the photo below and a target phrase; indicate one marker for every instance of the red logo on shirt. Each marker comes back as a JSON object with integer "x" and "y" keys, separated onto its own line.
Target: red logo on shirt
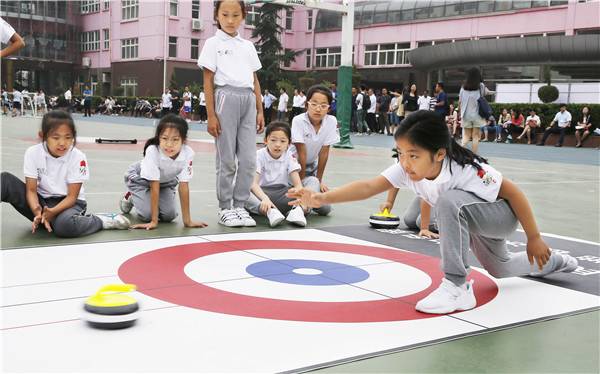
{"x": 486, "y": 177}
{"x": 190, "y": 168}
{"x": 82, "y": 167}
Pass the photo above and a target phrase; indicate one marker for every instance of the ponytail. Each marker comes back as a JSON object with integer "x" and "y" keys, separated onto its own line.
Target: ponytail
{"x": 152, "y": 141}
{"x": 427, "y": 130}
{"x": 464, "y": 156}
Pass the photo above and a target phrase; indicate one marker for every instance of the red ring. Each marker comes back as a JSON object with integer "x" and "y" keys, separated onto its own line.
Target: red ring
{"x": 160, "y": 274}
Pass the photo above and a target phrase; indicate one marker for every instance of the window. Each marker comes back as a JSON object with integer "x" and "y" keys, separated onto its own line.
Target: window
{"x": 129, "y": 48}
{"x": 130, "y": 9}
{"x": 328, "y": 57}
{"x": 308, "y": 58}
{"x": 194, "y": 51}
{"x": 172, "y": 46}
{"x": 252, "y": 15}
{"x": 106, "y": 38}
{"x": 89, "y": 6}
{"x": 90, "y": 41}
{"x": 521, "y": 4}
{"x": 288, "y": 19}
{"x": 106, "y": 5}
{"x": 195, "y": 9}
{"x": 381, "y": 13}
{"x": 173, "y": 5}
{"x": 129, "y": 85}
{"x": 387, "y": 54}
{"x": 309, "y": 19}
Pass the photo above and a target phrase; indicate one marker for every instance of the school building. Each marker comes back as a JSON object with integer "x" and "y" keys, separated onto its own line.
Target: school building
{"x": 130, "y": 47}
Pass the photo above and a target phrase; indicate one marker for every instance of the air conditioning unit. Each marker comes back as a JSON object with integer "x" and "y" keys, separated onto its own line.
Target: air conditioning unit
{"x": 86, "y": 62}
{"x": 105, "y": 77}
{"x": 197, "y": 24}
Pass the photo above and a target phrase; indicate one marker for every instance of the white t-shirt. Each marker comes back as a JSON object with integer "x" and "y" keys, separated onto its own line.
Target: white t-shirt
{"x": 485, "y": 184}
{"x": 304, "y": 132}
{"x": 202, "y": 99}
{"x": 187, "y": 99}
{"x": 359, "y": 101}
{"x": 233, "y": 60}
{"x": 54, "y": 174}
{"x": 68, "y": 95}
{"x": 283, "y": 101}
{"x": 275, "y": 171}
{"x": 156, "y": 166}
{"x": 535, "y": 118}
{"x": 373, "y": 106}
{"x": 6, "y": 31}
{"x": 562, "y": 118}
{"x": 423, "y": 102}
{"x": 166, "y": 100}
{"x": 298, "y": 101}
{"x": 17, "y": 96}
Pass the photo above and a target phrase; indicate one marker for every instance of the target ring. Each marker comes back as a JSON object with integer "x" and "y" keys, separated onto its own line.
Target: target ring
{"x": 160, "y": 274}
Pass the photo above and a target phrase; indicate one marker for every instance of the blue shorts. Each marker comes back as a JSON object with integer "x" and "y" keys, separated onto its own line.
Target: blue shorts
{"x": 187, "y": 109}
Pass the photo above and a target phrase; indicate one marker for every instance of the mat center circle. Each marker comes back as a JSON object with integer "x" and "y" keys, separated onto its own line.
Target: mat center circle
{"x": 307, "y": 271}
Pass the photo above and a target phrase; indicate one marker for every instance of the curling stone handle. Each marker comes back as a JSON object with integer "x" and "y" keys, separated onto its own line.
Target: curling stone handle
{"x": 386, "y": 212}
{"x": 116, "y": 288}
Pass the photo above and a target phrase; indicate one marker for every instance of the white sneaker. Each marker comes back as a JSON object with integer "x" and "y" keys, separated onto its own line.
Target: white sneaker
{"x": 448, "y": 298}
{"x": 229, "y": 218}
{"x": 113, "y": 221}
{"x": 275, "y": 217}
{"x": 563, "y": 264}
{"x": 247, "y": 221}
{"x": 125, "y": 203}
{"x": 296, "y": 216}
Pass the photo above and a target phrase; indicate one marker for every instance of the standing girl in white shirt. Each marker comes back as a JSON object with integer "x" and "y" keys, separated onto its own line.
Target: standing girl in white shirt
{"x": 475, "y": 207}
{"x": 151, "y": 183}
{"x": 53, "y": 195}
{"x": 313, "y": 133}
{"x": 276, "y": 170}
{"x": 235, "y": 112}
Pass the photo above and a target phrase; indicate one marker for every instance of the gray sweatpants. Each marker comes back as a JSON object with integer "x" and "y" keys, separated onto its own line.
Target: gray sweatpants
{"x": 464, "y": 219}
{"x": 235, "y": 108}
{"x": 70, "y": 223}
{"x": 312, "y": 183}
{"x": 141, "y": 197}
{"x": 277, "y": 195}
{"x": 412, "y": 216}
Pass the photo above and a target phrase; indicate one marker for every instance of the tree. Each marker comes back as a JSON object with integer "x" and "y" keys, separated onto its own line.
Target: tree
{"x": 548, "y": 93}
{"x": 271, "y": 53}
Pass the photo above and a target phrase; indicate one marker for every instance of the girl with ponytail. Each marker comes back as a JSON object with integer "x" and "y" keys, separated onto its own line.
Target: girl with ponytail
{"x": 475, "y": 207}
{"x": 151, "y": 182}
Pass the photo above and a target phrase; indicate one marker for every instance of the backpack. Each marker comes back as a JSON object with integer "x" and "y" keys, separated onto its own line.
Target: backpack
{"x": 484, "y": 108}
{"x": 366, "y": 104}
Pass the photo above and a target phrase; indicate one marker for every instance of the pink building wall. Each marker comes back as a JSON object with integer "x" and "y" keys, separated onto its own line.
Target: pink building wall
{"x": 150, "y": 25}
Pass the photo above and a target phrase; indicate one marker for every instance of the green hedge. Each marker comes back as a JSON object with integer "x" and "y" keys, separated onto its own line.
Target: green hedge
{"x": 548, "y": 111}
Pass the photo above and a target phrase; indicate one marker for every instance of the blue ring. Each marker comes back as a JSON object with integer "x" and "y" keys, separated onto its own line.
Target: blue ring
{"x": 282, "y": 271}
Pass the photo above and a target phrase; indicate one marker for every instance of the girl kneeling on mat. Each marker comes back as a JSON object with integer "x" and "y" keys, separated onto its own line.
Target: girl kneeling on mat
{"x": 276, "y": 167}
{"x": 151, "y": 182}
{"x": 474, "y": 205}
{"x": 53, "y": 195}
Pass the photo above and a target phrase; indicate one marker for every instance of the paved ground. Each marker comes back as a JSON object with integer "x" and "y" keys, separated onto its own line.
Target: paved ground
{"x": 561, "y": 183}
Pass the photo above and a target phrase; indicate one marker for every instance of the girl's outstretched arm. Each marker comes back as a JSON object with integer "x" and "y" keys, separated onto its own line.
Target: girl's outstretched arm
{"x": 536, "y": 248}
{"x": 265, "y": 202}
{"x": 184, "y": 199}
{"x": 359, "y": 190}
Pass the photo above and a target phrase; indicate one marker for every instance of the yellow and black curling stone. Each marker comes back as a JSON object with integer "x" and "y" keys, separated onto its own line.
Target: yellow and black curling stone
{"x": 110, "y": 309}
{"x": 384, "y": 220}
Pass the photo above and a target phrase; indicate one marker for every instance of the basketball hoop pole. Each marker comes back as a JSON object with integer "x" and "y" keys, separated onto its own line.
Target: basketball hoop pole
{"x": 344, "y": 75}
